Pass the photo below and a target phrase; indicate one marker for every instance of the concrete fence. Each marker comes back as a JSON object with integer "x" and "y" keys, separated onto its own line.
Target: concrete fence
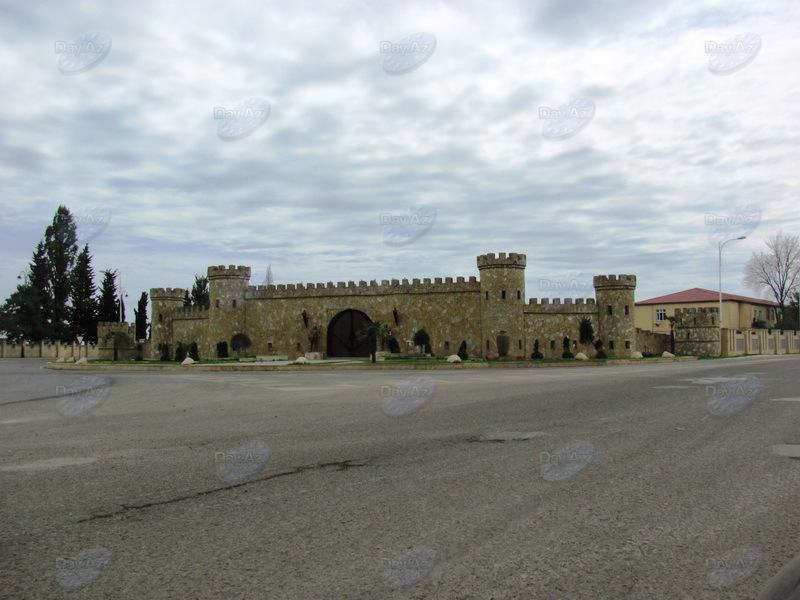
{"x": 47, "y": 350}
{"x": 760, "y": 341}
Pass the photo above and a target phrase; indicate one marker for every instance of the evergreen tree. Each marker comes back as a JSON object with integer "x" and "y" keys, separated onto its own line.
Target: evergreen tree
{"x": 83, "y": 312}
{"x": 108, "y": 309}
{"x": 200, "y": 295}
{"x": 140, "y": 315}
{"x": 586, "y": 331}
{"x": 23, "y": 316}
{"x": 187, "y": 299}
{"x": 60, "y": 241}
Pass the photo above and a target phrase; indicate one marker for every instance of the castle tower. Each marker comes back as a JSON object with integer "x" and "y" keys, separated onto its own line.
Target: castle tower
{"x": 502, "y": 301}
{"x": 227, "y": 286}
{"x": 163, "y": 302}
{"x": 615, "y": 314}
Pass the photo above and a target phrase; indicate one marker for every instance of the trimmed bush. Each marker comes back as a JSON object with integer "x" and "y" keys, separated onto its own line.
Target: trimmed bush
{"x": 180, "y": 352}
{"x": 536, "y": 354}
{"x": 393, "y": 344}
{"x": 566, "y": 353}
{"x": 462, "y": 351}
{"x": 240, "y": 342}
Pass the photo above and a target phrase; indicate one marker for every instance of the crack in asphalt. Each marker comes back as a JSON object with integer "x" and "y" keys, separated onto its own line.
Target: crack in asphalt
{"x": 339, "y": 465}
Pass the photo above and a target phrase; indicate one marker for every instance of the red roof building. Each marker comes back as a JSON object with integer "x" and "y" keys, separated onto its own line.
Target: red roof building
{"x": 738, "y": 312}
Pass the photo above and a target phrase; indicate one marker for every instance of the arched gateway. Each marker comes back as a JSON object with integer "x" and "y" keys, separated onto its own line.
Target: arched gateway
{"x": 343, "y": 334}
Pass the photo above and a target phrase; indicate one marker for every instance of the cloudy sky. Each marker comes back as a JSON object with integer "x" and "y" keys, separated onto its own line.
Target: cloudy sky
{"x": 348, "y": 140}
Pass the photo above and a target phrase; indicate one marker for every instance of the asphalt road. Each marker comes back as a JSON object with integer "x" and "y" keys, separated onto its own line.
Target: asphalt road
{"x": 668, "y": 481}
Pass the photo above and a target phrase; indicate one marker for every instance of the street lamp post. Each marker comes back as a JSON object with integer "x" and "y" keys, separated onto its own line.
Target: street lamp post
{"x": 121, "y": 295}
{"x": 721, "y": 244}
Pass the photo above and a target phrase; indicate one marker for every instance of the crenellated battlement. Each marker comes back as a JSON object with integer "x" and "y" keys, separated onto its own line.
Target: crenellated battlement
{"x": 697, "y": 317}
{"x": 167, "y": 294}
{"x": 561, "y": 305}
{"x": 615, "y": 281}
{"x": 372, "y": 288}
{"x": 231, "y": 272}
{"x": 556, "y": 301}
{"x": 503, "y": 260}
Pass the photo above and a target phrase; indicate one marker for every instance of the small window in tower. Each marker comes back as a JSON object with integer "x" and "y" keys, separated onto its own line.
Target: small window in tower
{"x": 520, "y": 344}
{"x": 216, "y": 303}
{"x": 627, "y": 309}
{"x": 298, "y": 346}
{"x": 713, "y": 319}
{"x": 611, "y": 345}
{"x": 519, "y": 295}
{"x": 487, "y": 295}
{"x": 627, "y": 344}
{"x": 234, "y": 303}
{"x": 269, "y": 346}
{"x": 160, "y": 317}
{"x": 447, "y": 346}
{"x": 609, "y": 310}
{"x": 502, "y": 294}
{"x": 552, "y": 345}
{"x": 487, "y": 341}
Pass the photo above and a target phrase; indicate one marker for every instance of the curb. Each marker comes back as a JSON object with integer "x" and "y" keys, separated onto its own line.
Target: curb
{"x": 381, "y": 366}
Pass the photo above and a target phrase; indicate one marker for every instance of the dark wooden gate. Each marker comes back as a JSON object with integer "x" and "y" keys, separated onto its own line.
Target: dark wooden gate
{"x": 343, "y": 338}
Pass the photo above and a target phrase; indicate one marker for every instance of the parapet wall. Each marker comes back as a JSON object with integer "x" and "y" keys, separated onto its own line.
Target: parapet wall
{"x": 561, "y": 305}
{"x": 167, "y": 293}
{"x": 191, "y": 312}
{"x": 385, "y": 288}
{"x": 614, "y": 281}
{"x": 512, "y": 260}
{"x": 220, "y": 271}
{"x": 697, "y": 317}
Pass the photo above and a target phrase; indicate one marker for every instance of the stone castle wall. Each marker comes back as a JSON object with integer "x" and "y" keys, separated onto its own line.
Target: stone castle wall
{"x": 451, "y": 310}
{"x": 551, "y": 320}
{"x": 697, "y": 331}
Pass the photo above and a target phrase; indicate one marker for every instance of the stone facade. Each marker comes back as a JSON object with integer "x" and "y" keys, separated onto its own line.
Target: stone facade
{"x": 278, "y": 318}
{"x": 697, "y": 331}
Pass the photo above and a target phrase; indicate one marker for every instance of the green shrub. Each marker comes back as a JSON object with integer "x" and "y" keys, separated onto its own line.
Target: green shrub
{"x": 165, "y": 352}
{"x": 193, "y": 351}
{"x": 462, "y": 351}
{"x": 240, "y": 342}
{"x": 393, "y": 344}
{"x": 536, "y": 354}
{"x": 598, "y": 345}
{"x": 421, "y": 338}
{"x": 566, "y": 353}
{"x": 180, "y": 352}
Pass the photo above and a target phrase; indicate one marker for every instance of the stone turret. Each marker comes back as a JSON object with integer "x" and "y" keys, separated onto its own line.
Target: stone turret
{"x": 615, "y": 305}
{"x": 227, "y": 286}
{"x": 502, "y": 300}
{"x": 163, "y": 303}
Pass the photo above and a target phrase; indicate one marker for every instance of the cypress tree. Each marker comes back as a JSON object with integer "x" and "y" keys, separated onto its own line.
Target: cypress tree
{"x": 140, "y": 315}
{"x": 83, "y": 313}
{"x": 108, "y": 309}
{"x": 60, "y": 241}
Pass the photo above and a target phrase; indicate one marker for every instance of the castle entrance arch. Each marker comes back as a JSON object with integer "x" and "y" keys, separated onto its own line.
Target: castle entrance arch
{"x": 343, "y": 338}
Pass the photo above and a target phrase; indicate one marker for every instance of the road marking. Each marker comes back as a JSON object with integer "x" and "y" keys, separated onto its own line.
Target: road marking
{"x": 673, "y": 387}
{"x": 49, "y": 464}
{"x": 786, "y": 399}
{"x": 790, "y": 450}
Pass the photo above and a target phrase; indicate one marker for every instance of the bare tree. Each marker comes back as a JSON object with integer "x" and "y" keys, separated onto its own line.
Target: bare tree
{"x": 777, "y": 269}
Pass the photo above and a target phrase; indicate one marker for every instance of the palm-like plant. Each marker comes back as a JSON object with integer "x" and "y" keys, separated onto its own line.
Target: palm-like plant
{"x": 373, "y": 332}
